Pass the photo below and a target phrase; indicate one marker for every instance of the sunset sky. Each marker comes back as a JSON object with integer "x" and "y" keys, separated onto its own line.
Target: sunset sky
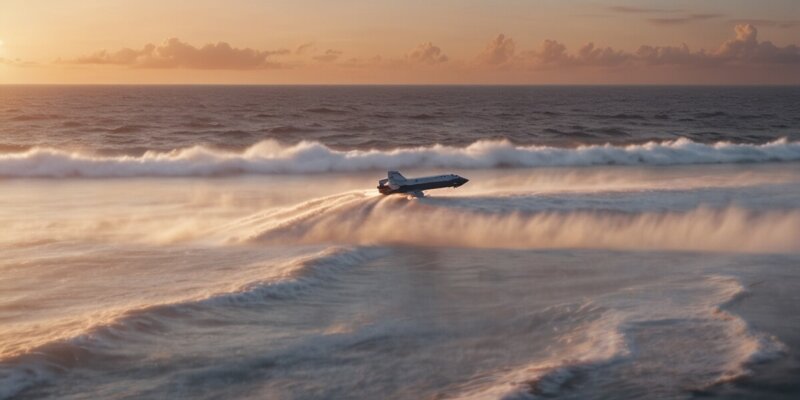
{"x": 444, "y": 41}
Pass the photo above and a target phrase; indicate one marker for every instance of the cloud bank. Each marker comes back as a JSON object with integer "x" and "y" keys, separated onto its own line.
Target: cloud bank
{"x": 743, "y": 50}
{"x": 499, "y": 51}
{"x": 330, "y": 55}
{"x": 772, "y": 23}
{"x": 427, "y": 53}
{"x": 174, "y": 53}
{"x": 744, "y": 58}
{"x": 683, "y": 19}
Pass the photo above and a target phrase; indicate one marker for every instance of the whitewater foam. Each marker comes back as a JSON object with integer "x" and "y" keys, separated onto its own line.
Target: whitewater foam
{"x": 41, "y": 364}
{"x": 600, "y": 343}
{"x": 272, "y": 157}
{"x": 731, "y": 347}
{"x": 396, "y": 220}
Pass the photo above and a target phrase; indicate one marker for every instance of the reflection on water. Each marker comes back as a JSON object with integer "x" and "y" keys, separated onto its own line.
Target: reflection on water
{"x": 316, "y": 286}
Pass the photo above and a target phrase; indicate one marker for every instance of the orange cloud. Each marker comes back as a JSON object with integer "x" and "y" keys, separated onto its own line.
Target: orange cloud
{"x": 554, "y": 54}
{"x": 742, "y": 58}
{"x": 17, "y": 62}
{"x": 330, "y": 55}
{"x": 427, "y": 53}
{"x": 773, "y": 23}
{"x": 177, "y": 54}
{"x": 683, "y": 19}
{"x": 670, "y": 55}
{"x": 303, "y": 48}
{"x": 498, "y": 52}
{"x": 747, "y": 49}
{"x": 744, "y": 49}
{"x": 423, "y": 55}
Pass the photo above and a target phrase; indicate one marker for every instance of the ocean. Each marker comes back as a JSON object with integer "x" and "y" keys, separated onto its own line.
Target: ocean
{"x": 206, "y": 242}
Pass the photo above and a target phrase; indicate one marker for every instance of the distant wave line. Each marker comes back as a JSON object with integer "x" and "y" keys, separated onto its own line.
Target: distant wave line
{"x": 307, "y": 157}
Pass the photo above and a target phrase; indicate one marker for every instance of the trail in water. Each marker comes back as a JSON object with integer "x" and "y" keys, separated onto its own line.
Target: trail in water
{"x": 397, "y": 220}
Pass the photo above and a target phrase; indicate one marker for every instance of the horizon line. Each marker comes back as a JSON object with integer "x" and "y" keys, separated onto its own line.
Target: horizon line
{"x": 418, "y": 84}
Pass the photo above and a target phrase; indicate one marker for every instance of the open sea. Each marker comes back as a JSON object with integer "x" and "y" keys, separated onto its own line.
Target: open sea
{"x": 229, "y": 242}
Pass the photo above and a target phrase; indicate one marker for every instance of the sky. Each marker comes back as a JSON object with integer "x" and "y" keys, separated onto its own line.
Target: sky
{"x": 400, "y": 42}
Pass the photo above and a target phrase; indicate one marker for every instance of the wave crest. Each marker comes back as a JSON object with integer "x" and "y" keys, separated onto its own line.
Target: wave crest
{"x": 272, "y": 157}
{"x": 631, "y": 337}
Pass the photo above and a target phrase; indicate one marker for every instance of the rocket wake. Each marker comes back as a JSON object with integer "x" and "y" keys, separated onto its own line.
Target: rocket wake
{"x": 366, "y": 220}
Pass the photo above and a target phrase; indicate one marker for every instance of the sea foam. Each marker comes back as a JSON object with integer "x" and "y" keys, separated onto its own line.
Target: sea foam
{"x": 45, "y": 362}
{"x": 615, "y": 342}
{"x": 272, "y": 157}
{"x": 366, "y": 220}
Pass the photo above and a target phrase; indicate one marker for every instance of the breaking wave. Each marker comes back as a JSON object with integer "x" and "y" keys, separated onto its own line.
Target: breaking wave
{"x": 631, "y": 334}
{"x": 272, "y": 157}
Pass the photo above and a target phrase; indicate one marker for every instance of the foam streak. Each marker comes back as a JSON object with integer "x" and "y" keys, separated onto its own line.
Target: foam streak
{"x": 396, "y": 220}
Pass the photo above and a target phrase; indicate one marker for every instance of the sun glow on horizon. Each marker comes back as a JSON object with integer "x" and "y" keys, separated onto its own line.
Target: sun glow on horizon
{"x": 371, "y": 42}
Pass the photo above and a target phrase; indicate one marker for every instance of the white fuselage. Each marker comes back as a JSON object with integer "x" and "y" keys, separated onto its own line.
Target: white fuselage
{"x": 396, "y": 183}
